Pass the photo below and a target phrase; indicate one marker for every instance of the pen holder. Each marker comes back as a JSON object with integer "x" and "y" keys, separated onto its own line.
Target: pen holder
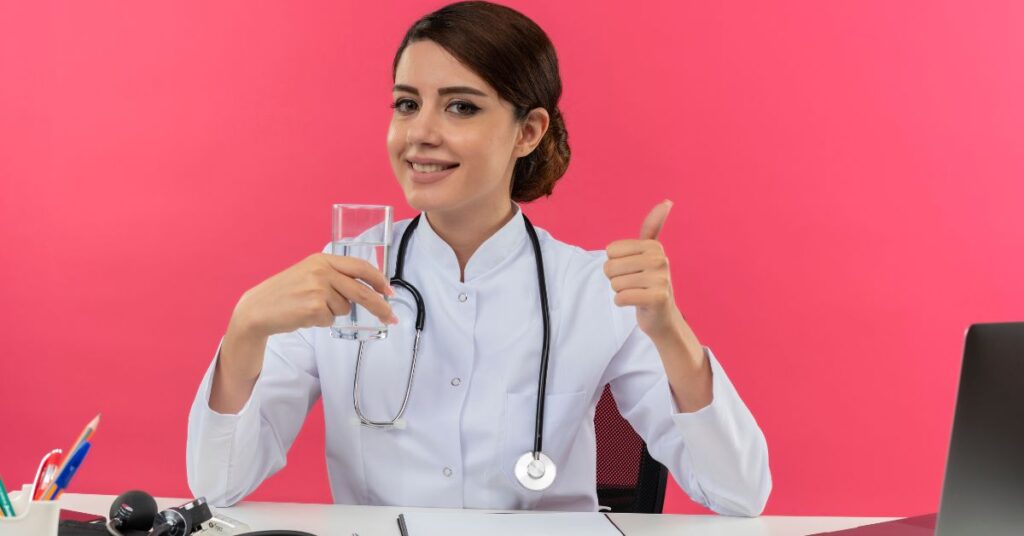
{"x": 38, "y": 518}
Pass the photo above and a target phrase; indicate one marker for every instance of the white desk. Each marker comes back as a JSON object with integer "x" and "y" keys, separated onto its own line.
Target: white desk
{"x": 343, "y": 520}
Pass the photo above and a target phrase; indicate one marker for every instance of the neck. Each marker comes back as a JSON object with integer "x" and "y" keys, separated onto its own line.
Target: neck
{"x": 467, "y": 228}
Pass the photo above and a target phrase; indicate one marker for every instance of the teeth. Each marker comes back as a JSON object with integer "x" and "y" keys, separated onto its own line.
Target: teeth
{"x": 428, "y": 168}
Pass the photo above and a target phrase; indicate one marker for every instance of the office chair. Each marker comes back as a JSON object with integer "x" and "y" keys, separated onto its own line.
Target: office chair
{"x": 628, "y": 478}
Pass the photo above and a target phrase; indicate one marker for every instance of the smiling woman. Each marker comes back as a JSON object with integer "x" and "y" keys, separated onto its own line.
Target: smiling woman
{"x": 475, "y": 131}
{"x": 461, "y": 149}
{"x": 487, "y": 70}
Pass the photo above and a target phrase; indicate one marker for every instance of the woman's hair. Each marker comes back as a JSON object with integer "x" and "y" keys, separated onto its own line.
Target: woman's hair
{"x": 514, "y": 55}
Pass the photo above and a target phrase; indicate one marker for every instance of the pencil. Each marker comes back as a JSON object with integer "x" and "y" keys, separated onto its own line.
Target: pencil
{"x": 86, "y": 435}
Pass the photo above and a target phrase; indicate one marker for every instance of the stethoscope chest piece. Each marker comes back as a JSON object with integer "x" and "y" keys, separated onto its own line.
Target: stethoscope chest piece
{"x": 535, "y": 473}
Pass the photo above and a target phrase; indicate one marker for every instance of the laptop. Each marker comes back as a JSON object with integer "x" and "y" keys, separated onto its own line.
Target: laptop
{"x": 983, "y": 490}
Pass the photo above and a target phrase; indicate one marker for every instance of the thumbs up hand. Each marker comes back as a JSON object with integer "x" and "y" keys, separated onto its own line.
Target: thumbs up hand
{"x": 639, "y": 274}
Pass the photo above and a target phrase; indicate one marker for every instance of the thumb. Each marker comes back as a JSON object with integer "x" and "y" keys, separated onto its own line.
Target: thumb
{"x": 655, "y": 220}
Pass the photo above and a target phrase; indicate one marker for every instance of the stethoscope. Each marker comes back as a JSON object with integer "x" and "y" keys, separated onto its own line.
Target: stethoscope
{"x": 534, "y": 469}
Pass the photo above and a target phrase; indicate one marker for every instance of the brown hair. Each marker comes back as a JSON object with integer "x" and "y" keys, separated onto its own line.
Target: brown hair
{"x": 514, "y": 55}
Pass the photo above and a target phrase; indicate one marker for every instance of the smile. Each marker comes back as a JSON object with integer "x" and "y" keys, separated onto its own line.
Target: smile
{"x": 430, "y": 168}
{"x": 430, "y": 173}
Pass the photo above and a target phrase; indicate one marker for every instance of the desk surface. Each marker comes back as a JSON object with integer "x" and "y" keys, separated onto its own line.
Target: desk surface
{"x": 343, "y": 519}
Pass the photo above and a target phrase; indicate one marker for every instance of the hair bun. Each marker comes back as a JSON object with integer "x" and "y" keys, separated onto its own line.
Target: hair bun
{"x": 535, "y": 174}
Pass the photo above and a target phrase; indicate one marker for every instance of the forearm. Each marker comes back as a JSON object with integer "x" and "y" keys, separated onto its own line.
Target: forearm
{"x": 686, "y": 366}
{"x": 238, "y": 367}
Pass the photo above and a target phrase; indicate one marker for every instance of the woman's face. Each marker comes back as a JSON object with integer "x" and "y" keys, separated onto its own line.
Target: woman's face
{"x": 445, "y": 113}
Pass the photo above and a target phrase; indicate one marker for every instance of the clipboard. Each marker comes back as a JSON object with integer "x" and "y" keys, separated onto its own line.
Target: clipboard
{"x": 469, "y": 523}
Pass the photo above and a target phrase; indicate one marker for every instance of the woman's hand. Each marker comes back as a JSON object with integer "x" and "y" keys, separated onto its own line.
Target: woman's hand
{"x": 639, "y": 274}
{"x": 311, "y": 293}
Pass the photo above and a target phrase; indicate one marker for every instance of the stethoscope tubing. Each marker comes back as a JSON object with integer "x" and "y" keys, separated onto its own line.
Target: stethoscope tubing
{"x": 538, "y": 431}
{"x": 420, "y": 320}
{"x": 542, "y": 383}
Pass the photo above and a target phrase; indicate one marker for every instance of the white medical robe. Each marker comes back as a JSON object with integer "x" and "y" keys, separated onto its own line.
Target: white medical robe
{"x": 471, "y": 412}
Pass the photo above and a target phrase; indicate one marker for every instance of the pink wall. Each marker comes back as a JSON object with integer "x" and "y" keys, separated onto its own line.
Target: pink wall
{"x": 848, "y": 179}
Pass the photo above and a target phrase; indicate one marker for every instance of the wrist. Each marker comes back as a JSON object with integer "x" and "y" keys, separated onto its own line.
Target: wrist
{"x": 242, "y": 326}
{"x": 681, "y": 343}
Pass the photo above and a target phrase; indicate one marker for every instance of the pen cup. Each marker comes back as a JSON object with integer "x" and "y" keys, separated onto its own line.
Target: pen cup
{"x": 38, "y": 518}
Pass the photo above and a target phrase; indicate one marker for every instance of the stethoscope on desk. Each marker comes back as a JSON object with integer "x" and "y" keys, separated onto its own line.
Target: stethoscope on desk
{"x": 534, "y": 469}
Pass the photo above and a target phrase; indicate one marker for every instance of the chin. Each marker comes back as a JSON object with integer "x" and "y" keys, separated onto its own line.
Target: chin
{"x": 433, "y": 197}
{"x": 426, "y": 201}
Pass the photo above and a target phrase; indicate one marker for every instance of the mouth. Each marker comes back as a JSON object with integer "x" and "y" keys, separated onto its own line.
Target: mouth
{"x": 428, "y": 173}
{"x": 430, "y": 168}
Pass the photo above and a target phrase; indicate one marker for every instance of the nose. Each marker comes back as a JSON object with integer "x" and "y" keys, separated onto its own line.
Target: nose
{"x": 423, "y": 128}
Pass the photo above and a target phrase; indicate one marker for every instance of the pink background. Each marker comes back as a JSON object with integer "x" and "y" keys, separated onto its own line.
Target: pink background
{"x": 848, "y": 179}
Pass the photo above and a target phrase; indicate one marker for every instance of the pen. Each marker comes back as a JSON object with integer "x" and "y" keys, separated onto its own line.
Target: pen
{"x": 46, "y": 473}
{"x": 86, "y": 435}
{"x": 66, "y": 474}
{"x": 5, "y": 502}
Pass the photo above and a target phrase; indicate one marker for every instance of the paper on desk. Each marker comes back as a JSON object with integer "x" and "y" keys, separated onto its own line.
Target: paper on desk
{"x": 474, "y": 524}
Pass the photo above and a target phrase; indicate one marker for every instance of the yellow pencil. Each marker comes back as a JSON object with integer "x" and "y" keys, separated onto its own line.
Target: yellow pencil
{"x": 86, "y": 435}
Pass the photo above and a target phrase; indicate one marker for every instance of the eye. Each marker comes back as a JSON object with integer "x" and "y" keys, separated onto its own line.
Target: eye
{"x": 400, "y": 105}
{"x": 468, "y": 109}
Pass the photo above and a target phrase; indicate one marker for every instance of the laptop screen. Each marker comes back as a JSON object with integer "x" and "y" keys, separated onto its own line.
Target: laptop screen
{"x": 983, "y": 491}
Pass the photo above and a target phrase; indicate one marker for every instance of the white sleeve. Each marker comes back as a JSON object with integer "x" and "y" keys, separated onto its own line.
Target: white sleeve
{"x": 717, "y": 454}
{"x": 228, "y": 455}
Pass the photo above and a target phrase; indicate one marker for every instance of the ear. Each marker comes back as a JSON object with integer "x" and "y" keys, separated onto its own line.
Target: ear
{"x": 531, "y": 131}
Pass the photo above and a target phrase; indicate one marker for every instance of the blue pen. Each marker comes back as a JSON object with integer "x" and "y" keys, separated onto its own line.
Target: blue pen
{"x": 65, "y": 476}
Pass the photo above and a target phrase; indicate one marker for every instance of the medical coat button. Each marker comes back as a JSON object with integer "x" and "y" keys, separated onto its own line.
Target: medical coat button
{"x": 463, "y": 297}
{"x": 456, "y": 382}
{"x": 447, "y": 471}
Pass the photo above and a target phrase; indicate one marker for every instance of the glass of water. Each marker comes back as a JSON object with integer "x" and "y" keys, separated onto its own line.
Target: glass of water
{"x": 363, "y": 232}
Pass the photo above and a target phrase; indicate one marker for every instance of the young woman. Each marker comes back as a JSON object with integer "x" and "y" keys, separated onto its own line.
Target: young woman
{"x": 476, "y": 130}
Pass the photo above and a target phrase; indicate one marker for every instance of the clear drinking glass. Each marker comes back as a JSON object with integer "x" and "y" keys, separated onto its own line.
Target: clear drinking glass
{"x": 364, "y": 232}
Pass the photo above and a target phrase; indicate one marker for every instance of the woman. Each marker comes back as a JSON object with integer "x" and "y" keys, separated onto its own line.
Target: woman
{"x": 475, "y": 131}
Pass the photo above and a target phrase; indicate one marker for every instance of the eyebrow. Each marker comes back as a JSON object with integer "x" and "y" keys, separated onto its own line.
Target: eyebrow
{"x": 442, "y": 91}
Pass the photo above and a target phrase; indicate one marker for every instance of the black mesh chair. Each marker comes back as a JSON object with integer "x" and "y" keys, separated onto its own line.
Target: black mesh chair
{"x": 628, "y": 478}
